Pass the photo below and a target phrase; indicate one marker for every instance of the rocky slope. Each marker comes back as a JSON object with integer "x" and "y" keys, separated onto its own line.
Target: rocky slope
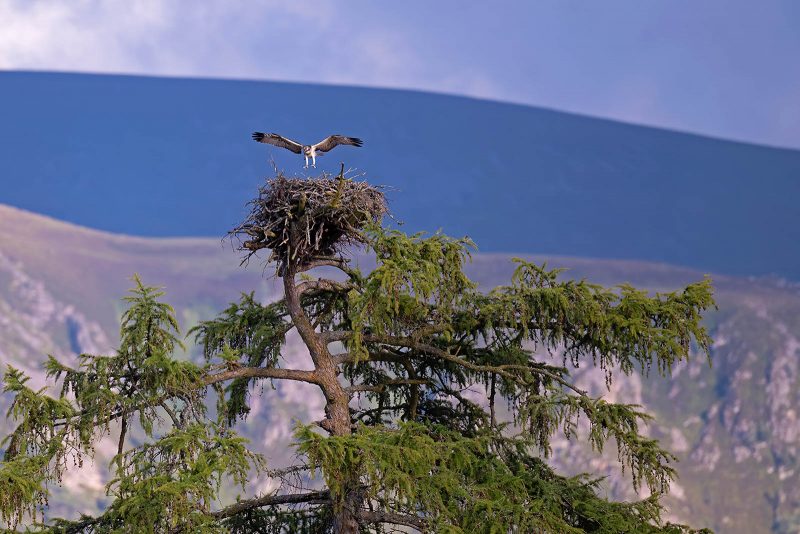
{"x": 735, "y": 425}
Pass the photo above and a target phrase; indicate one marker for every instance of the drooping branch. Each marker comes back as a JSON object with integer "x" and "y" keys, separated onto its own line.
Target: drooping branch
{"x": 504, "y": 370}
{"x": 211, "y": 379}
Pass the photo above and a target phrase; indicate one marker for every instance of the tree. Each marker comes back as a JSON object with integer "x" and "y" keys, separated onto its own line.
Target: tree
{"x": 391, "y": 350}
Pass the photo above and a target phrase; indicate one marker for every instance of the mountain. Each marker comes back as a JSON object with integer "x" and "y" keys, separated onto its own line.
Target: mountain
{"x": 735, "y": 425}
{"x": 157, "y": 156}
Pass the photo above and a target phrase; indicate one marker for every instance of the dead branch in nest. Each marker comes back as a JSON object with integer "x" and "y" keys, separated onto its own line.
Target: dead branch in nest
{"x": 303, "y": 219}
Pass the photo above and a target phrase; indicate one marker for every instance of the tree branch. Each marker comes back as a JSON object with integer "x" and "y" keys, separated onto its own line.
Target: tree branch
{"x": 263, "y": 372}
{"x": 123, "y": 429}
{"x": 502, "y": 370}
{"x": 429, "y": 330}
{"x": 280, "y": 473}
{"x": 314, "y": 497}
{"x": 413, "y": 401}
{"x": 378, "y": 516}
{"x": 346, "y": 357}
{"x": 376, "y": 413}
{"x": 323, "y": 284}
{"x": 379, "y": 388}
{"x": 339, "y": 263}
{"x": 232, "y": 374}
{"x": 172, "y": 415}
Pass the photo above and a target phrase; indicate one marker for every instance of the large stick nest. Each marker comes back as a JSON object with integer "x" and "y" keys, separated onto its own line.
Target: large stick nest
{"x": 301, "y": 219}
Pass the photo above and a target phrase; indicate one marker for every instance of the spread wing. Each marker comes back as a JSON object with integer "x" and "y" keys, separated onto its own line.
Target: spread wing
{"x": 333, "y": 140}
{"x": 277, "y": 140}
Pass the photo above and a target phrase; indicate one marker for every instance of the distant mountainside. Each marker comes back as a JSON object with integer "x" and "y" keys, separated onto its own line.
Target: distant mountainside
{"x": 155, "y": 157}
{"x": 735, "y": 425}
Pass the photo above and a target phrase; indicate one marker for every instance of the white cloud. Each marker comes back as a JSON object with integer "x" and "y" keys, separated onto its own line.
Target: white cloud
{"x": 142, "y": 36}
{"x": 267, "y": 39}
{"x": 516, "y": 51}
{"x": 83, "y": 35}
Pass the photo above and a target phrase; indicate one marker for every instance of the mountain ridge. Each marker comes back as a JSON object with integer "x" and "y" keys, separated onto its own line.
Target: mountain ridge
{"x": 291, "y": 83}
{"x": 156, "y": 156}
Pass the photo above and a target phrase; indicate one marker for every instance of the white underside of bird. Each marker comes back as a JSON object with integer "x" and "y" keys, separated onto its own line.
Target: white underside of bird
{"x": 313, "y": 155}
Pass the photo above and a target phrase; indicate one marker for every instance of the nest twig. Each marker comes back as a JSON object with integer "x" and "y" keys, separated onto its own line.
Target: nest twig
{"x": 302, "y": 219}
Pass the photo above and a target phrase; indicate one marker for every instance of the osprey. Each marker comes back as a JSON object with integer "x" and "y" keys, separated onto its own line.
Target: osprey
{"x": 309, "y": 151}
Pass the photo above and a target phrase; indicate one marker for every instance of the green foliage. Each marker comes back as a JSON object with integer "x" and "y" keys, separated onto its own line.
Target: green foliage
{"x": 170, "y": 485}
{"x": 256, "y": 331}
{"x": 496, "y": 334}
{"x": 274, "y": 520}
{"x": 141, "y": 374}
{"x": 417, "y": 280}
{"x": 175, "y": 481}
{"x": 249, "y": 333}
{"x": 485, "y": 483}
{"x": 39, "y": 450}
{"x": 417, "y": 451}
{"x": 54, "y": 434}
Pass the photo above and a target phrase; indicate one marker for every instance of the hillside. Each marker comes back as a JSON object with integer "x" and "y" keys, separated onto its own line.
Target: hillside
{"x": 734, "y": 422}
{"x": 155, "y": 157}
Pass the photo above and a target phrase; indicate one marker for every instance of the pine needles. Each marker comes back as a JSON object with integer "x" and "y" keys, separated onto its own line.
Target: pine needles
{"x": 301, "y": 219}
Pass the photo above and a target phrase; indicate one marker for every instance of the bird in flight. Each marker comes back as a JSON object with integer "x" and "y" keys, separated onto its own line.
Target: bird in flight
{"x": 309, "y": 151}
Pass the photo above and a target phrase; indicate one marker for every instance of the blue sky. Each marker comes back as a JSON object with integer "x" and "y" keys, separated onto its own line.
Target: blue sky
{"x": 727, "y": 68}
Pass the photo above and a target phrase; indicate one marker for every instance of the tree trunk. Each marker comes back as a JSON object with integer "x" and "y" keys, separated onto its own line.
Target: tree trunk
{"x": 337, "y": 410}
{"x": 345, "y": 518}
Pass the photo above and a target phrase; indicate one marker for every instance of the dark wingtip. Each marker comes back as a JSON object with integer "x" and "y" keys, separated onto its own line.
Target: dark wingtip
{"x": 258, "y": 136}
{"x": 356, "y": 141}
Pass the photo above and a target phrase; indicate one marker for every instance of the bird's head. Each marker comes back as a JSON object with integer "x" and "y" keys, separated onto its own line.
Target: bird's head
{"x": 307, "y": 149}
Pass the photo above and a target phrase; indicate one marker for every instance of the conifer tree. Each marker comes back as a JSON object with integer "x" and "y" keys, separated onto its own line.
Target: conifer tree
{"x": 392, "y": 350}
